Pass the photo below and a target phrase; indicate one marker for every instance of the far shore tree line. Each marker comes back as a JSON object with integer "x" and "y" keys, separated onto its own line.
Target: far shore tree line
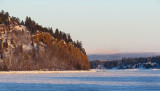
{"x": 128, "y": 63}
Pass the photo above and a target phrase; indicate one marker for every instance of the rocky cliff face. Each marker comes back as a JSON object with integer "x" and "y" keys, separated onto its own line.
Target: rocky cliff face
{"x": 22, "y": 50}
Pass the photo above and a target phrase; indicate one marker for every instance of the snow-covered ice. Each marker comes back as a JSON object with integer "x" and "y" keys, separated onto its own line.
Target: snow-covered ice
{"x": 102, "y": 80}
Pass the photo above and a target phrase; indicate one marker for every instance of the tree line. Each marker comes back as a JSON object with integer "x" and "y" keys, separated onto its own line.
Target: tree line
{"x": 33, "y": 27}
{"x": 128, "y": 63}
{"x": 59, "y": 35}
{"x": 4, "y": 18}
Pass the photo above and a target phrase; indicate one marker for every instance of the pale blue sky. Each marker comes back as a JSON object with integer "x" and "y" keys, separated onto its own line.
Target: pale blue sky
{"x": 102, "y": 25}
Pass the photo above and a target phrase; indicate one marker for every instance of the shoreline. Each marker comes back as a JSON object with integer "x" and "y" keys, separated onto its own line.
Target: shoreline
{"x": 37, "y": 72}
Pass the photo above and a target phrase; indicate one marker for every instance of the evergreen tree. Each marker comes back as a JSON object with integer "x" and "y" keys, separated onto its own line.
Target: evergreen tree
{"x": 2, "y": 12}
{"x": 69, "y": 39}
{"x": 60, "y": 37}
{"x": 22, "y": 23}
{"x": 65, "y": 37}
{"x": 56, "y": 34}
{"x": 7, "y": 14}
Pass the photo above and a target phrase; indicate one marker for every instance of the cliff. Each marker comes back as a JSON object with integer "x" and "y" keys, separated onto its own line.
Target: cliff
{"x": 29, "y": 46}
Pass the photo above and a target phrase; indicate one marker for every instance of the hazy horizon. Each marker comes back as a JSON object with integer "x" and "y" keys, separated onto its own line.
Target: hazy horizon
{"x": 103, "y": 26}
{"x": 110, "y": 53}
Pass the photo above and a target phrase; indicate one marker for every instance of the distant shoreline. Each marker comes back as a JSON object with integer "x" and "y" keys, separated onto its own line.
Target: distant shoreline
{"x": 37, "y": 72}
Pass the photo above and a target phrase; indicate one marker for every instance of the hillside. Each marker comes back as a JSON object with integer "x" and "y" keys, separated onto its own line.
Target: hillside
{"x": 25, "y": 45}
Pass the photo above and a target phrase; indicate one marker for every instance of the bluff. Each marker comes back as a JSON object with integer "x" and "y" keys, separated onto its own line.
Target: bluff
{"x": 26, "y": 45}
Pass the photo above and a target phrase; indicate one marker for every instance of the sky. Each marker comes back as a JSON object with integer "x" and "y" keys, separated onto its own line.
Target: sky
{"x": 103, "y": 26}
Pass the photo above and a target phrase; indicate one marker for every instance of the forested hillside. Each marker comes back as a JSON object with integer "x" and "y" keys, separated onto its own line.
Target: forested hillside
{"x": 128, "y": 63}
{"x": 26, "y": 45}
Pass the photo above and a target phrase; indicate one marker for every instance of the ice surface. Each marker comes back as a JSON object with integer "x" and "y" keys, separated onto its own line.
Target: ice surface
{"x": 102, "y": 80}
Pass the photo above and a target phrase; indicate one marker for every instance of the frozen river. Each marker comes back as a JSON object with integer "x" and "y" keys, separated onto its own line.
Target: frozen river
{"x": 109, "y": 80}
